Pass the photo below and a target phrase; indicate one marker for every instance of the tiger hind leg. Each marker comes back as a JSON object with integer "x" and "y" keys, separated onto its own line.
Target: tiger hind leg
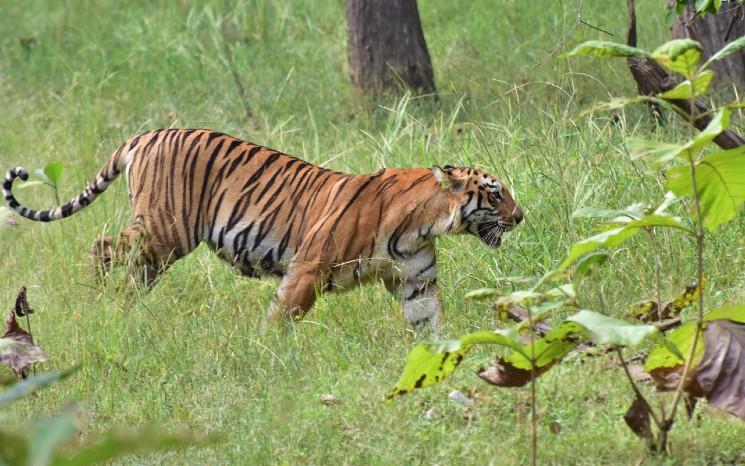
{"x": 132, "y": 249}
{"x": 296, "y": 294}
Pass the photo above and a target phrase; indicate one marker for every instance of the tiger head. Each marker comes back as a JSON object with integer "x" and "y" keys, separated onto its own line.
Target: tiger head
{"x": 485, "y": 206}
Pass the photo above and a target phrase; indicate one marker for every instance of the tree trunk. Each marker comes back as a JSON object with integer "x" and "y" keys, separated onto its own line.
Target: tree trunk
{"x": 714, "y": 31}
{"x": 651, "y": 79}
{"x": 387, "y": 50}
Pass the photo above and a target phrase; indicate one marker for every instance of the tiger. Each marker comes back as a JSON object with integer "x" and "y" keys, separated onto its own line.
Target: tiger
{"x": 268, "y": 213}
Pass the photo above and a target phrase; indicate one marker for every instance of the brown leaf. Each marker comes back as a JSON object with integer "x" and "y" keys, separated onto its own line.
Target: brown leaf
{"x": 667, "y": 379}
{"x": 721, "y": 372}
{"x": 18, "y": 349}
{"x": 637, "y": 418}
{"x": 504, "y": 374}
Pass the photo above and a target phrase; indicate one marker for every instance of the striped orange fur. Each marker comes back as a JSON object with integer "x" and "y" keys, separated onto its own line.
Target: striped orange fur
{"x": 269, "y": 213}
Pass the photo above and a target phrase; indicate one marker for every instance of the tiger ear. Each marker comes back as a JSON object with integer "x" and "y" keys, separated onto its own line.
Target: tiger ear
{"x": 444, "y": 176}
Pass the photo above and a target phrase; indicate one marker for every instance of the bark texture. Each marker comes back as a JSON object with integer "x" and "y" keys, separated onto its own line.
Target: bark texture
{"x": 714, "y": 31}
{"x": 652, "y": 79}
{"x": 387, "y": 50}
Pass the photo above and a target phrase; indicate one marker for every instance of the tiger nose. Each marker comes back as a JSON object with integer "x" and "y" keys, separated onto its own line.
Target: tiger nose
{"x": 518, "y": 216}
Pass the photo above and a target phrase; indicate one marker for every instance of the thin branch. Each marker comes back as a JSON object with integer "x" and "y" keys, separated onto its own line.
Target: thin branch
{"x": 636, "y": 389}
{"x": 595, "y": 27}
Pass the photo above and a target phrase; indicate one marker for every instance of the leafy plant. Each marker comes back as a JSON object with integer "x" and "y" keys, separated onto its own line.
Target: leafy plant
{"x": 699, "y": 359}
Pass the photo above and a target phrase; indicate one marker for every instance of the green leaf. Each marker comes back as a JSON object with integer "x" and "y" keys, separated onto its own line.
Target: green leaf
{"x": 550, "y": 349}
{"x": 720, "y": 180}
{"x": 679, "y": 55}
{"x": 585, "y": 265}
{"x": 662, "y": 357}
{"x": 659, "y": 152}
{"x": 703, "y": 5}
{"x": 728, "y": 49}
{"x": 683, "y": 91}
{"x": 53, "y": 172}
{"x": 610, "y": 238}
{"x": 719, "y": 123}
{"x": 116, "y": 444}
{"x": 735, "y": 313}
{"x": 428, "y": 364}
{"x": 482, "y": 293}
{"x": 604, "y": 330}
{"x": 635, "y": 211}
{"x": 601, "y": 48}
{"x": 47, "y": 433}
{"x": 32, "y": 384}
{"x": 660, "y": 220}
{"x": 616, "y": 236}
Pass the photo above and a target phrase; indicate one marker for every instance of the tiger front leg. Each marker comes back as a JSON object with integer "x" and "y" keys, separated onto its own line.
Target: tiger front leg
{"x": 416, "y": 288}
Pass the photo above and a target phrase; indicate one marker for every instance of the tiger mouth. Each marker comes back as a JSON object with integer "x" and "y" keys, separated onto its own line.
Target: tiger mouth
{"x": 491, "y": 233}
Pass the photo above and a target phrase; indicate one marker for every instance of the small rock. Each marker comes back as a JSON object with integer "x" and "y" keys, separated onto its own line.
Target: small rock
{"x": 458, "y": 397}
{"x": 328, "y": 399}
{"x": 430, "y": 413}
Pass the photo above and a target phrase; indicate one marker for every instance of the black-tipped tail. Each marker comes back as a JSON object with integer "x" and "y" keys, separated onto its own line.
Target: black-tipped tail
{"x": 96, "y": 187}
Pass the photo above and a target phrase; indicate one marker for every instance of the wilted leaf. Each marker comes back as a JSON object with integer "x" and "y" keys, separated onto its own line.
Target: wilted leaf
{"x": 638, "y": 419}
{"x": 53, "y": 172}
{"x": 666, "y": 361}
{"x": 604, "y": 330}
{"x": 721, "y": 372}
{"x": 665, "y": 365}
{"x": 720, "y": 179}
{"x": 646, "y": 311}
{"x": 7, "y": 218}
{"x": 601, "y": 48}
{"x": 17, "y": 348}
{"x": 32, "y": 384}
{"x": 428, "y": 364}
{"x": 505, "y": 375}
{"x": 514, "y": 369}
{"x": 684, "y": 91}
{"x": 679, "y": 55}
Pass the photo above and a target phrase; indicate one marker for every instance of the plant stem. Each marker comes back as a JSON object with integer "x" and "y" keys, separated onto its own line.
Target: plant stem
{"x": 636, "y": 389}
{"x": 657, "y": 268}
{"x": 668, "y": 421}
{"x": 533, "y": 418}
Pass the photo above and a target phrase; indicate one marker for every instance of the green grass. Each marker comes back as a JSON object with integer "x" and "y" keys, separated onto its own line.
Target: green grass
{"x": 188, "y": 353}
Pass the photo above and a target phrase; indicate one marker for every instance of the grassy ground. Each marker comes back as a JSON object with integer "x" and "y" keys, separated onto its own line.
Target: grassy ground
{"x": 188, "y": 353}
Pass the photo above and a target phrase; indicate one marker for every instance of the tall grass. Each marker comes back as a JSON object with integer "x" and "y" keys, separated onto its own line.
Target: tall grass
{"x": 188, "y": 352}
